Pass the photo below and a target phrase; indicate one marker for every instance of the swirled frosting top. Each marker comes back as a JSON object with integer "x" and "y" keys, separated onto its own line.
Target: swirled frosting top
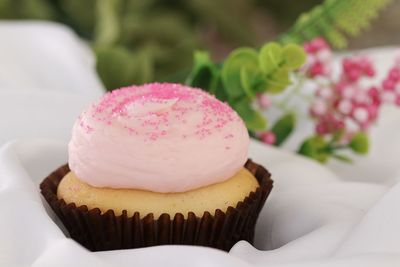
{"x": 160, "y": 137}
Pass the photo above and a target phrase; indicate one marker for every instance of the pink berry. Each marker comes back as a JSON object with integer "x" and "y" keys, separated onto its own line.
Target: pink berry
{"x": 268, "y": 137}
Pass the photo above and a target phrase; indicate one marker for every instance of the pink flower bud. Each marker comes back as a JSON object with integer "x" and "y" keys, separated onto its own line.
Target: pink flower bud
{"x": 339, "y": 125}
{"x": 361, "y": 115}
{"x": 353, "y": 74}
{"x": 348, "y": 92}
{"x": 373, "y": 92}
{"x": 319, "y": 43}
{"x": 321, "y": 128}
{"x": 373, "y": 111}
{"x": 308, "y": 48}
{"x": 364, "y": 63}
{"x": 364, "y": 125}
{"x": 370, "y": 72}
{"x": 361, "y": 96}
{"x": 345, "y": 106}
{"x": 325, "y": 55}
{"x": 311, "y": 59}
{"x": 394, "y": 74}
{"x": 268, "y": 137}
{"x": 324, "y": 92}
{"x": 318, "y": 109}
{"x": 317, "y": 69}
{"x": 388, "y": 97}
{"x": 375, "y": 96}
{"x": 340, "y": 87}
{"x": 388, "y": 84}
{"x": 264, "y": 101}
{"x": 347, "y": 64}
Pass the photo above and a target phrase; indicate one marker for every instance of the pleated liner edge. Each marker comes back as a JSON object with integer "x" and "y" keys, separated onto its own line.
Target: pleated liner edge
{"x": 104, "y": 231}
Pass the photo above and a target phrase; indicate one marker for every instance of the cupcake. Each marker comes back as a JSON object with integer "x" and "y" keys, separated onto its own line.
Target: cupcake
{"x": 158, "y": 164}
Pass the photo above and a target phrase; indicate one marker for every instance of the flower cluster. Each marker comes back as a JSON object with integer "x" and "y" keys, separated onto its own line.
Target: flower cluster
{"x": 344, "y": 107}
{"x": 391, "y": 86}
{"x": 319, "y": 58}
{"x": 346, "y": 104}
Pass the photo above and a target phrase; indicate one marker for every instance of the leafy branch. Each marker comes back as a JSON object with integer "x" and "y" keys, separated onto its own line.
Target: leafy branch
{"x": 334, "y": 19}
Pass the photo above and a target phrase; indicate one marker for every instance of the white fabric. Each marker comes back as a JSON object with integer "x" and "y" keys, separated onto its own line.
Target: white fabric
{"x": 313, "y": 217}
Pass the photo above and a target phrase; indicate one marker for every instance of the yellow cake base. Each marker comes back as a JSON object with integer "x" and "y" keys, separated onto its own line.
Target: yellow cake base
{"x": 209, "y": 198}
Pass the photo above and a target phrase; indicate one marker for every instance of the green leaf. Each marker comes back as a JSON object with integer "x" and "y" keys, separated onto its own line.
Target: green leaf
{"x": 252, "y": 80}
{"x": 108, "y": 26}
{"x": 204, "y": 74}
{"x": 284, "y": 127}
{"x": 337, "y": 135}
{"x": 116, "y": 66}
{"x": 230, "y": 73}
{"x": 270, "y": 57}
{"x": 315, "y": 148}
{"x": 342, "y": 158}
{"x": 278, "y": 81}
{"x": 254, "y": 120}
{"x": 220, "y": 92}
{"x": 359, "y": 143}
{"x": 294, "y": 56}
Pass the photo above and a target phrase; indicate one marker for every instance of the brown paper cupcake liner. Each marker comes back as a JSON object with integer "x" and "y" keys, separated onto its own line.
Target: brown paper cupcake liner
{"x": 105, "y": 231}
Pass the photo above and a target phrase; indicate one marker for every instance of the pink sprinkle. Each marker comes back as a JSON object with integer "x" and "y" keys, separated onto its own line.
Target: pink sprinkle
{"x": 228, "y": 136}
{"x": 122, "y": 105}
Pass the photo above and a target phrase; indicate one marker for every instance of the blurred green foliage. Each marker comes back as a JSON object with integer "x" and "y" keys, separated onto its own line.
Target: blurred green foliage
{"x": 334, "y": 20}
{"x": 140, "y": 41}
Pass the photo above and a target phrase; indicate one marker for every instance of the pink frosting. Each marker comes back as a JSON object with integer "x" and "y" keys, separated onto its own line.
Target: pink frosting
{"x": 160, "y": 137}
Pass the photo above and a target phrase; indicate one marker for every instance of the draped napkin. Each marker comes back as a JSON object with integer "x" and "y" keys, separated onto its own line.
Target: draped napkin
{"x": 335, "y": 215}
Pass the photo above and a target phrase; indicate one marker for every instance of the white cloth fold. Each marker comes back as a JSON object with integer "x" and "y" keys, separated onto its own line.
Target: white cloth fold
{"x": 341, "y": 215}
